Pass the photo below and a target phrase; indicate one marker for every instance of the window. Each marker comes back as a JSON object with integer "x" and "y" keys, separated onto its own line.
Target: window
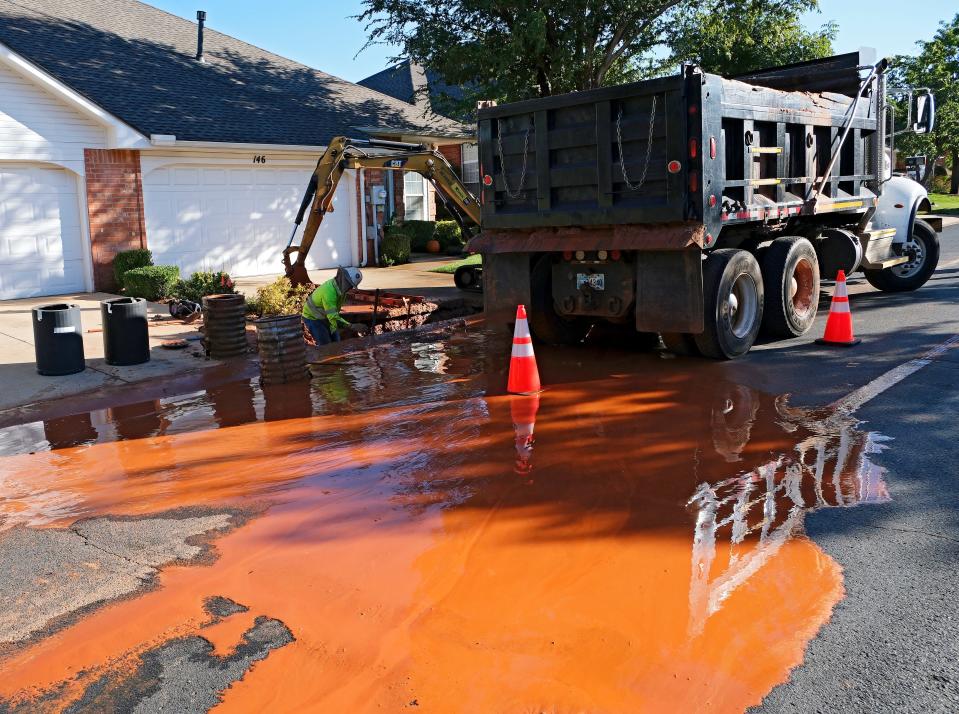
{"x": 470, "y": 163}
{"x": 414, "y": 197}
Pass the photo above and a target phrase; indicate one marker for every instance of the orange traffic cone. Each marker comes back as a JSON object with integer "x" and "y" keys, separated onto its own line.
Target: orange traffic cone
{"x": 523, "y": 410}
{"x": 839, "y": 323}
{"x": 523, "y": 375}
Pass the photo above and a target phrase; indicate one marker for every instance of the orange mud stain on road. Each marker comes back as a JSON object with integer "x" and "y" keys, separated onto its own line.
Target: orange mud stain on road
{"x": 636, "y": 566}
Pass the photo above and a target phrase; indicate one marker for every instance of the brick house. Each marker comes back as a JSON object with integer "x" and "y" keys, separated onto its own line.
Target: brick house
{"x": 114, "y": 134}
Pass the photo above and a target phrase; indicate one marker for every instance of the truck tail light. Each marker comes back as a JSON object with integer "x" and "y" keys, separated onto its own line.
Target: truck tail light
{"x": 693, "y": 181}
{"x": 615, "y": 254}
{"x": 712, "y": 201}
{"x": 693, "y": 148}
{"x": 567, "y": 255}
{"x": 712, "y": 147}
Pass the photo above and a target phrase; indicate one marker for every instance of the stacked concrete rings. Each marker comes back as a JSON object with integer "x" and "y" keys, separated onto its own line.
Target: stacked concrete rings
{"x": 282, "y": 349}
{"x": 224, "y": 325}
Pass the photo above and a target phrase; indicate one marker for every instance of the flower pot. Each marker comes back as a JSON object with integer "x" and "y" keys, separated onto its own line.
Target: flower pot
{"x": 433, "y": 246}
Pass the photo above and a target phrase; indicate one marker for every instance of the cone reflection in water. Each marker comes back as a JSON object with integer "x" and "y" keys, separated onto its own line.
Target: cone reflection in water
{"x": 839, "y": 324}
{"x": 523, "y": 410}
{"x": 523, "y": 374}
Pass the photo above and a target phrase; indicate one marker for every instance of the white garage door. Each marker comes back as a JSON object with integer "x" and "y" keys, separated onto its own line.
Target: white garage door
{"x": 41, "y": 245}
{"x": 237, "y": 219}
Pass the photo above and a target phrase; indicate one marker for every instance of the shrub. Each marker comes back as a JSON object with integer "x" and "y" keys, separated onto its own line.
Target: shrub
{"x": 449, "y": 235}
{"x": 203, "y": 283}
{"x": 152, "y": 282}
{"x": 940, "y": 184}
{"x": 420, "y": 233}
{"x": 279, "y": 298}
{"x": 128, "y": 259}
{"x": 395, "y": 249}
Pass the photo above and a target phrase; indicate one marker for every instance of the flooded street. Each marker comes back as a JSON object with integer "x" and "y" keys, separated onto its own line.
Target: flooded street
{"x": 398, "y": 533}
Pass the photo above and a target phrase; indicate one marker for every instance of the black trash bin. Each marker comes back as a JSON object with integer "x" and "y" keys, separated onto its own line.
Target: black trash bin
{"x": 126, "y": 338}
{"x": 58, "y": 339}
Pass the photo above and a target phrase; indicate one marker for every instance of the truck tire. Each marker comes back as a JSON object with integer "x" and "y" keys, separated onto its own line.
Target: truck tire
{"x": 680, "y": 343}
{"x": 544, "y": 324}
{"x": 469, "y": 277}
{"x": 791, "y": 284}
{"x": 924, "y": 251}
{"x": 733, "y": 304}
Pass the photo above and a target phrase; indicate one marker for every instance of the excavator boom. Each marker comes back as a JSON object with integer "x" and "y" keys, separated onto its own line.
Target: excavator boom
{"x": 343, "y": 154}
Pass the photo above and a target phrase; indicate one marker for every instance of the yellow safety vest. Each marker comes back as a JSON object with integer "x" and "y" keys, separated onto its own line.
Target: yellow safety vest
{"x": 326, "y": 301}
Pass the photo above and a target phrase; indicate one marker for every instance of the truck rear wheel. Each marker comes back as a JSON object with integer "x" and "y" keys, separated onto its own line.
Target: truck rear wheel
{"x": 733, "y": 301}
{"x": 923, "y": 251}
{"x": 544, "y": 323}
{"x": 791, "y": 284}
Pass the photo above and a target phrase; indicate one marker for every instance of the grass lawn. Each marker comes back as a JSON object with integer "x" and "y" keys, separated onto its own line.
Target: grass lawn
{"x": 451, "y": 267}
{"x": 945, "y": 203}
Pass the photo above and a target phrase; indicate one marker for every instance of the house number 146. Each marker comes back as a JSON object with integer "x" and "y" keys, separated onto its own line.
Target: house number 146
{"x": 259, "y": 159}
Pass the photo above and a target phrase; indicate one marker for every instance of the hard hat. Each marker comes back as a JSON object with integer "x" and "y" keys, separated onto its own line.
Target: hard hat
{"x": 353, "y": 276}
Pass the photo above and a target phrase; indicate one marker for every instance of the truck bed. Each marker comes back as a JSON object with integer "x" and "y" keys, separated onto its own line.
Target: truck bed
{"x": 688, "y": 148}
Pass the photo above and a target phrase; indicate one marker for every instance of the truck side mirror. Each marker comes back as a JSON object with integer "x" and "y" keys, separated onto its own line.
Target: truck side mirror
{"x": 925, "y": 113}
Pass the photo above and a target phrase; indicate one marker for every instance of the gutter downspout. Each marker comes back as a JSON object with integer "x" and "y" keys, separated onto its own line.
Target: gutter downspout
{"x": 363, "y": 215}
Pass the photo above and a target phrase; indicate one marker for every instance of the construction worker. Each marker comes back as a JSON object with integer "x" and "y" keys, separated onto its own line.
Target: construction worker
{"x": 321, "y": 311}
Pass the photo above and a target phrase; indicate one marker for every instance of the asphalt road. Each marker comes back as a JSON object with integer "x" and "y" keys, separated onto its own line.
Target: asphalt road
{"x": 890, "y": 644}
{"x": 893, "y": 643}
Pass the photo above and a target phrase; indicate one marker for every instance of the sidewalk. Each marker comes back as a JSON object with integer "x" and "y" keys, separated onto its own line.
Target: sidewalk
{"x": 413, "y": 278}
{"x": 18, "y": 373}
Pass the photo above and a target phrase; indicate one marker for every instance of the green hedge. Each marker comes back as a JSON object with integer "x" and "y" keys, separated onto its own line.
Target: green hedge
{"x": 395, "y": 249}
{"x": 152, "y": 282}
{"x": 128, "y": 259}
{"x": 203, "y": 283}
{"x": 449, "y": 235}
{"x": 420, "y": 233}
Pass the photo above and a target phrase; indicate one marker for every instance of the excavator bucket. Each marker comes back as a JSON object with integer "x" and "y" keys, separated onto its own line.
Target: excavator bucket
{"x": 296, "y": 272}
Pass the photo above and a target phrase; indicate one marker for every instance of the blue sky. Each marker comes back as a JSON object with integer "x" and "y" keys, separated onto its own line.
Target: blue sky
{"x": 322, "y": 34}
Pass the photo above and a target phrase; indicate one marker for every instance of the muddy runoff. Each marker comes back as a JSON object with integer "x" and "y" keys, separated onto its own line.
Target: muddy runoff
{"x": 630, "y": 540}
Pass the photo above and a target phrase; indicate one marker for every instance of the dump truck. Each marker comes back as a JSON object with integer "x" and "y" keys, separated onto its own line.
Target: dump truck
{"x": 699, "y": 207}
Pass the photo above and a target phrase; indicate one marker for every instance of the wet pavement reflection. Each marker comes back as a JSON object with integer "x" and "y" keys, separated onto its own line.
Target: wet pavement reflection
{"x": 629, "y": 540}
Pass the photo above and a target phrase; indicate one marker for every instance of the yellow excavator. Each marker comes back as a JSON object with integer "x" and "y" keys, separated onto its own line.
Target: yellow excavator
{"x": 344, "y": 153}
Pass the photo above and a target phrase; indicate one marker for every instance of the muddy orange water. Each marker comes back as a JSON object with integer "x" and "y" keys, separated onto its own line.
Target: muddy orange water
{"x": 629, "y": 541}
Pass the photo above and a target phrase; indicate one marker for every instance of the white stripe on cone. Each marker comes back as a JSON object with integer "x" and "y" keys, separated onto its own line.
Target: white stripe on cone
{"x": 839, "y": 306}
{"x": 523, "y": 349}
{"x": 840, "y": 289}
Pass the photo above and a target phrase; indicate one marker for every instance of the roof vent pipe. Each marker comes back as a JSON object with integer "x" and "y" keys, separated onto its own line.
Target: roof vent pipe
{"x": 200, "y": 18}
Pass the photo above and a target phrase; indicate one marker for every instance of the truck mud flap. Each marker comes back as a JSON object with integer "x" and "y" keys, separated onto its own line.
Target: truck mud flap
{"x": 505, "y": 285}
{"x": 669, "y": 291}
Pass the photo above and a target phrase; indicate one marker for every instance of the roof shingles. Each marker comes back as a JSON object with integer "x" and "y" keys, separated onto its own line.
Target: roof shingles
{"x": 137, "y": 62}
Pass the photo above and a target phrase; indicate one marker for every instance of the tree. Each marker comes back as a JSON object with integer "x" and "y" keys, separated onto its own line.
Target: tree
{"x": 494, "y": 49}
{"x": 518, "y": 50}
{"x": 936, "y": 67}
{"x": 731, "y": 37}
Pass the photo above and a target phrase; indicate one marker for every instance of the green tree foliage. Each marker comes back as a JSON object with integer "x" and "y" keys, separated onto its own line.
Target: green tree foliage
{"x": 936, "y": 66}
{"x": 731, "y": 37}
{"x": 508, "y": 51}
{"x": 525, "y": 48}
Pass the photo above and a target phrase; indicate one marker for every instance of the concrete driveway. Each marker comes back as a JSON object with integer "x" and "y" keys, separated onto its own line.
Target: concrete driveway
{"x": 18, "y": 373}
{"x": 413, "y": 278}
